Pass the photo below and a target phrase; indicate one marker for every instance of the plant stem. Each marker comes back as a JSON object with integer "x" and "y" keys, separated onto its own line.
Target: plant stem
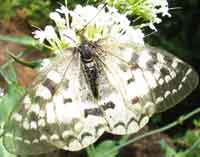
{"x": 195, "y": 144}
{"x": 10, "y": 61}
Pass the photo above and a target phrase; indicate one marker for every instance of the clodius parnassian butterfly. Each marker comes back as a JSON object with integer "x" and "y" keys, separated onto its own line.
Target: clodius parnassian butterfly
{"x": 110, "y": 81}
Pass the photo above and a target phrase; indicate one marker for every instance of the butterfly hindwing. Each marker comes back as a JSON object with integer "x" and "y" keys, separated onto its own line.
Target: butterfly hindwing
{"x": 121, "y": 115}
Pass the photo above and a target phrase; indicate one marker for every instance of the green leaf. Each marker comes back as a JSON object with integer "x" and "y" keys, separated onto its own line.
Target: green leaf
{"x": 169, "y": 151}
{"x": 192, "y": 136}
{"x": 10, "y": 101}
{"x": 3, "y": 152}
{"x": 9, "y": 73}
{"x": 14, "y": 93}
{"x": 32, "y": 64}
{"x": 23, "y": 40}
{"x": 197, "y": 122}
{"x": 105, "y": 146}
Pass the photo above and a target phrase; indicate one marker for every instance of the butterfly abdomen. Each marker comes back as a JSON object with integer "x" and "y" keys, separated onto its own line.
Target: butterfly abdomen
{"x": 89, "y": 67}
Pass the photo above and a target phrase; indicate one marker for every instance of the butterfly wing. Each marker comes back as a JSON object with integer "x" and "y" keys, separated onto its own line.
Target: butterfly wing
{"x": 21, "y": 133}
{"x": 61, "y": 112}
{"x": 144, "y": 81}
{"x": 175, "y": 78}
{"x": 114, "y": 98}
{"x": 54, "y": 113}
{"x": 79, "y": 121}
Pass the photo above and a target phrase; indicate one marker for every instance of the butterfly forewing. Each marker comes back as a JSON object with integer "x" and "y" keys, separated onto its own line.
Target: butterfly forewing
{"x": 58, "y": 112}
{"x": 22, "y": 131}
{"x": 177, "y": 79}
{"x": 152, "y": 77}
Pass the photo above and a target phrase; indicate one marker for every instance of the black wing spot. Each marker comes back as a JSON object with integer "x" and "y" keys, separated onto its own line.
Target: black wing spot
{"x": 86, "y": 134}
{"x": 70, "y": 139}
{"x": 93, "y": 111}
{"x": 108, "y": 105}
{"x": 39, "y": 100}
{"x": 132, "y": 79}
{"x": 119, "y": 124}
{"x": 150, "y": 65}
{"x": 164, "y": 71}
{"x": 50, "y": 85}
{"x": 134, "y": 58}
{"x": 131, "y": 120}
{"x": 67, "y": 100}
{"x": 66, "y": 84}
{"x": 168, "y": 60}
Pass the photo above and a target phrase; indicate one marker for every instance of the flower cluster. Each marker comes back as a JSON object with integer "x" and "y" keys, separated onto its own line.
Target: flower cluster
{"x": 87, "y": 22}
{"x": 148, "y": 10}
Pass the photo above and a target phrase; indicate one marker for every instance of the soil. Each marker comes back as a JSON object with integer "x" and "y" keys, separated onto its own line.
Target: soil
{"x": 15, "y": 27}
{"x": 148, "y": 147}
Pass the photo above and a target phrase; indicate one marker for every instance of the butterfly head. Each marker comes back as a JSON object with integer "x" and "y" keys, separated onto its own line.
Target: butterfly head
{"x": 86, "y": 52}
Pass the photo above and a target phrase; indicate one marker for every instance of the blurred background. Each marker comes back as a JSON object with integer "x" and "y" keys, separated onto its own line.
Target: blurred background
{"x": 179, "y": 34}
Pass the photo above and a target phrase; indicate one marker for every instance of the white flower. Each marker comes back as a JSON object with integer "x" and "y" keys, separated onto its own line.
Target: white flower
{"x": 134, "y": 36}
{"x": 90, "y": 22}
{"x": 60, "y": 22}
{"x": 40, "y": 35}
{"x": 149, "y": 10}
{"x": 83, "y": 15}
{"x": 50, "y": 33}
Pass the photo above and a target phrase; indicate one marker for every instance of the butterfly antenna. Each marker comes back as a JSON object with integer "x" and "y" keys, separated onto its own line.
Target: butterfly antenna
{"x": 153, "y": 32}
{"x": 80, "y": 31}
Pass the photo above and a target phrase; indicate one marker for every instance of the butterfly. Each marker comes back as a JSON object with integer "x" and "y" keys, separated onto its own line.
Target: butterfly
{"x": 99, "y": 86}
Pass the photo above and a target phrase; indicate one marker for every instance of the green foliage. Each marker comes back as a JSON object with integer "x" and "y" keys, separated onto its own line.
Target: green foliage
{"x": 23, "y": 40}
{"x": 33, "y": 9}
{"x": 186, "y": 146}
{"x": 13, "y": 95}
{"x": 3, "y": 152}
{"x": 197, "y": 122}
{"x": 169, "y": 151}
{"x": 7, "y": 9}
{"x": 102, "y": 147}
{"x": 31, "y": 64}
{"x": 106, "y": 146}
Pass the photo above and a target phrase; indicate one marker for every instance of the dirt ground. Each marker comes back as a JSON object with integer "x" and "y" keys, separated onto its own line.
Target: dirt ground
{"x": 148, "y": 147}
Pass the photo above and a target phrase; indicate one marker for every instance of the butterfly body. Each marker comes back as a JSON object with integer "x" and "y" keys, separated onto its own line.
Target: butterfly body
{"x": 90, "y": 68}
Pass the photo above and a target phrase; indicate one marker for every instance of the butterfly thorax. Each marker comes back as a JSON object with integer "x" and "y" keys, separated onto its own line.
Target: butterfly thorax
{"x": 89, "y": 66}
